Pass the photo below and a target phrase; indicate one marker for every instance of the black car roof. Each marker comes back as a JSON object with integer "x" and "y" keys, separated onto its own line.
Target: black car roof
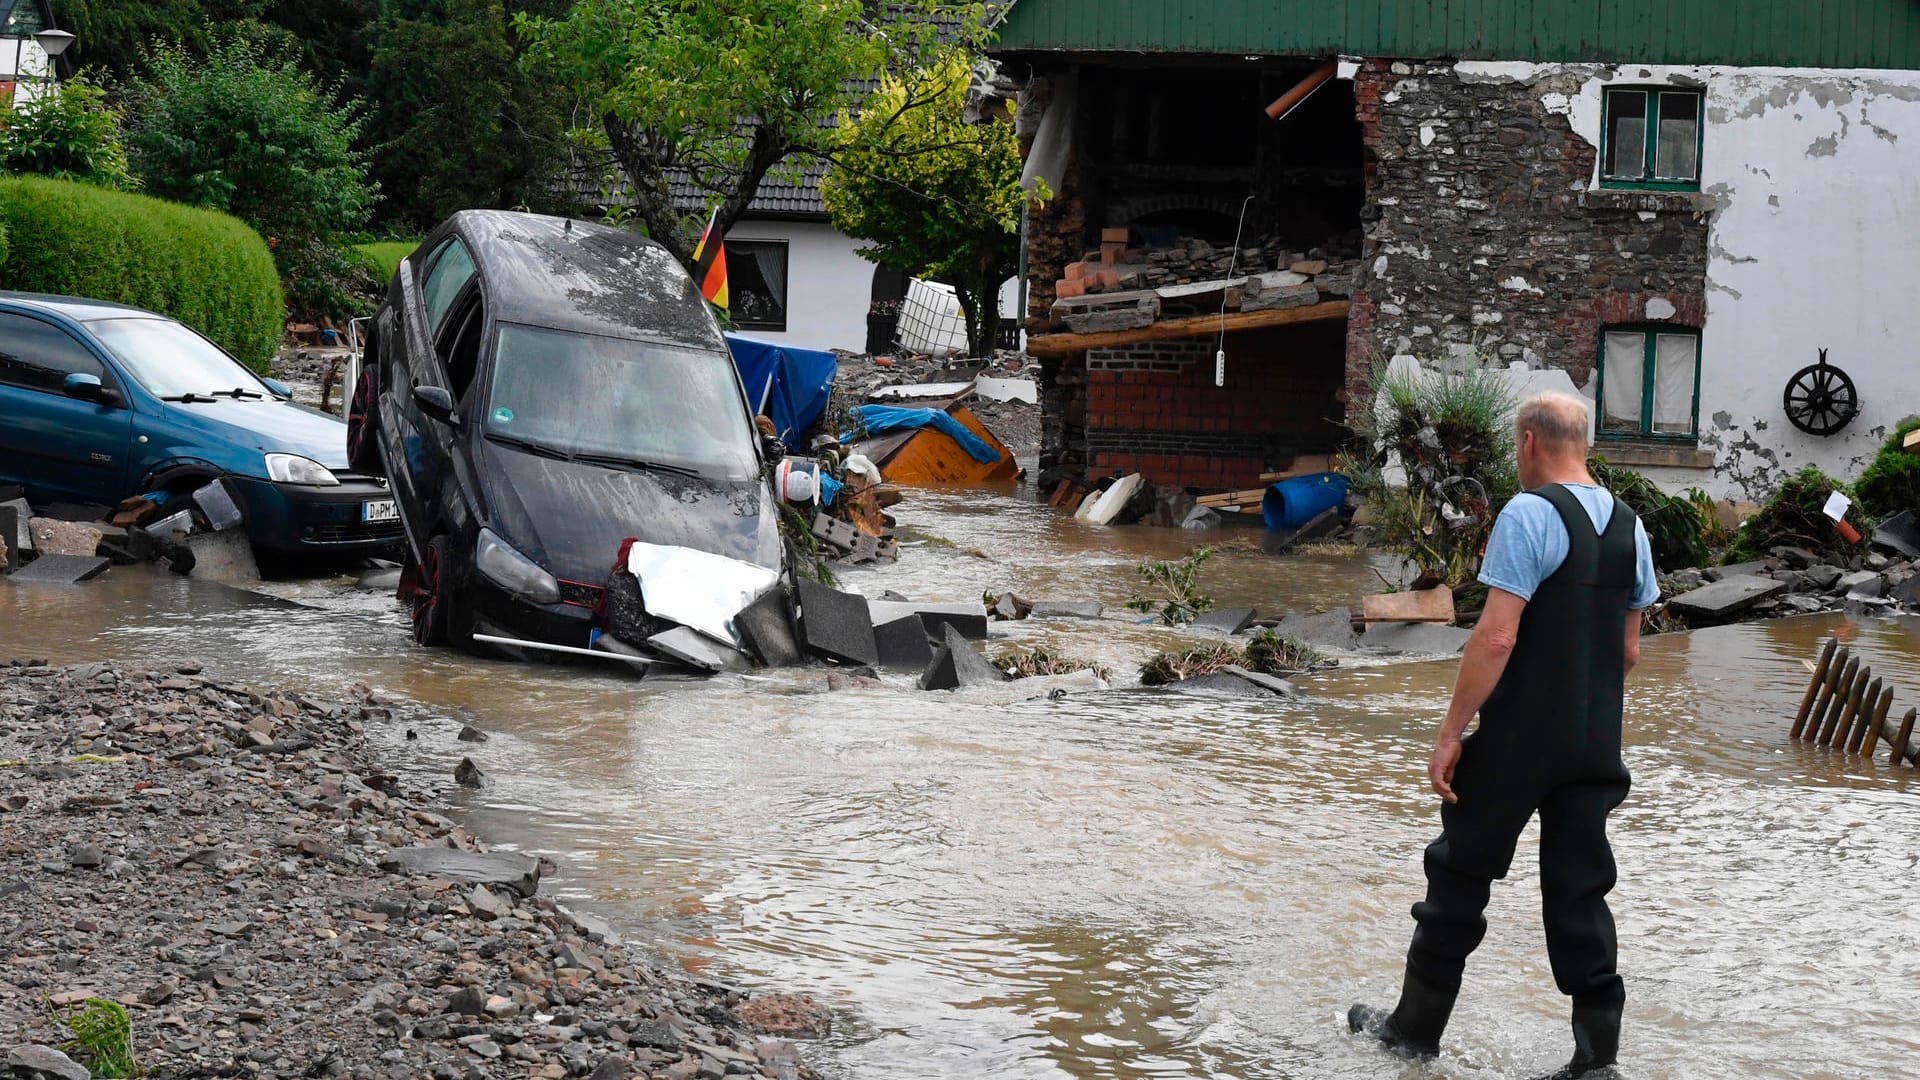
{"x": 77, "y": 308}
{"x": 576, "y": 275}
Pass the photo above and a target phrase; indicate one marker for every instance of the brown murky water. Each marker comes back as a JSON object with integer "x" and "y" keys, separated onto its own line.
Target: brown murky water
{"x": 1136, "y": 884}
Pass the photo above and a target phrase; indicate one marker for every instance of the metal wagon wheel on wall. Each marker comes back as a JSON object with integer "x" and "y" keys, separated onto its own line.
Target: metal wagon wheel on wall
{"x": 1820, "y": 399}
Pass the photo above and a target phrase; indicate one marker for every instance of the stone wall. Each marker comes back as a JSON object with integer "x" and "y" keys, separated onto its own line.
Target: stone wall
{"x": 1483, "y": 237}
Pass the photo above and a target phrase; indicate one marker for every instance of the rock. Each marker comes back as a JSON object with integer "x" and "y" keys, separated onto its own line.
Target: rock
{"x": 486, "y": 906}
{"x": 1284, "y": 296}
{"x": 1687, "y": 578}
{"x": 1745, "y": 569}
{"x": 1228, "y": 621}
{"x": 1067, "y": 609}
{"x": 1011, "y": 608}
{"x": 903, "y": 644}
{"x": 471, "y": 734}
{"x": 1804, "y": 604}
{"x": 1795, "y": 558}
{"x": 1424, "y": 639}
{"x": 969, "y": 619}
{"x": 468, "y": 1001}
{"x": 837, "y": 626}
{"x": 1309, "y": 267}
{"x": 1861, "y": 583}
{"x": 51, "y": 537}
{"x": 30, "y": 1062}
{"x": 841, "y": 681}
{"x": 1907, "y": 592}
{"x": 520, "y": 873}
{"x": 695, "y": 650}
{"x": 1201, "y": 518}
{"x": 766, "y": 628}
{"x": 159, "y": 993}
{"x": 467, "y": 774}
{"x": 610, "y": 1068}
{"x": 1328, "y": 630}
{"x": 1726, "y": 597}
{"x": 60, "y": 570}
{"x": 1899, "y": 534}
{"x": 85, "y": 855}
{"x": 791, "y": 1016}
{"x": 956, "y": 665}
{"x": 1821, "y": 576}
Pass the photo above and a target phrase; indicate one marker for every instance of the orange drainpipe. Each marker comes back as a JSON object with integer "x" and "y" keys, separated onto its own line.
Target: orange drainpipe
{"x": 1321, "y": 76}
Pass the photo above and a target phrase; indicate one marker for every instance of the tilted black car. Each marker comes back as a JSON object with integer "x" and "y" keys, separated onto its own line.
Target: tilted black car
{"x": 539, "y": 390}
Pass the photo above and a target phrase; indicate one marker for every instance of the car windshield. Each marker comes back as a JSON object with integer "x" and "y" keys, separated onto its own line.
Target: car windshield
{"x": 618, "y": 402}
{"x": 170, "y": 360}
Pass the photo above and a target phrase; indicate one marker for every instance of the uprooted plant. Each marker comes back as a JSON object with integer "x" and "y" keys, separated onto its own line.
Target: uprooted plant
{"x": 1177, "y": 582}
{"x": 1271, "y": 654}
{"x": 1436, "y": 460}
{"x": 1267, "y": 654}
{"x": 102, "y": 1036}
{"x": 1179, "y": 665}
{"x": 1795, "y": 517}
{"x": 1041, "y": 660}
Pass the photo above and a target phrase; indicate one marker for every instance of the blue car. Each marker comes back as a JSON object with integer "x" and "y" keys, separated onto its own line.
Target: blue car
{"x": 100, "y": 401}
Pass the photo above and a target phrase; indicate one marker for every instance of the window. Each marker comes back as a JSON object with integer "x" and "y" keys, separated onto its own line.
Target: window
{"x": 757, "y": 283}
{"x": 1652, "y": 139}
{"x": 1649, "y": 382}
{"x": 452, "y": 269}
{"x": 39, "y": 356}
{"x": 169, "y": 359}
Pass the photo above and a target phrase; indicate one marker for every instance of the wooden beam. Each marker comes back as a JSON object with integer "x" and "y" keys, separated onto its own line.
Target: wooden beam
{"x": 1912, "y": 441}
{"x": 1192, "y": 326}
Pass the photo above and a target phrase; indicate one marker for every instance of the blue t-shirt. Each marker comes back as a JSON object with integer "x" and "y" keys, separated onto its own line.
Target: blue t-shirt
{"x": 1530, "y": 542}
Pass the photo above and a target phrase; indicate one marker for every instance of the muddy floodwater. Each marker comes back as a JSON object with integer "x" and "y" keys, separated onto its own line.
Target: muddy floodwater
{"x": 1134, "y": 884}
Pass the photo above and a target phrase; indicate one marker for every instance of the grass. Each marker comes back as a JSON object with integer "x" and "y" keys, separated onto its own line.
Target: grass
{"x": 383, "y": 258}
{"x": 102, "y": 1037}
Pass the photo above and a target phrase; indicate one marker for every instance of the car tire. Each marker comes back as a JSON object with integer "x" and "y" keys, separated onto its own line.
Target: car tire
{"x": 363, "y": 438}
{"x": 438, "y": 613}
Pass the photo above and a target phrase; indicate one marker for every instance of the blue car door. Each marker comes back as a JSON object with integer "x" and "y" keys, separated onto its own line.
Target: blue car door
{"x": 63, "y": 449}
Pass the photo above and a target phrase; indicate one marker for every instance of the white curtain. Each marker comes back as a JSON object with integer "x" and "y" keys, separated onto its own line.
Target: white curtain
{"x": 1676, "y": 356}
{"x": 1625, "y": 363}
{"x": 772, "y": 261}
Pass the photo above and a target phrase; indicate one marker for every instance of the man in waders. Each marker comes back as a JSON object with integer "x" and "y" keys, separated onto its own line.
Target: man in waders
{"x": 1568, "y": 569}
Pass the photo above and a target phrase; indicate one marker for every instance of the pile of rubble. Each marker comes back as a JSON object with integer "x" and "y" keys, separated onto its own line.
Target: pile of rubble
{"x": 199, "y": 533}
{"x": 232, "y": 866}
{"x": 1793, "y": 581}
{"x": 1122, "y": 287}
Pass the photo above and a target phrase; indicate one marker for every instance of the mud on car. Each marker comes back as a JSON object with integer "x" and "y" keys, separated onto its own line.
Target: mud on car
{"x": 539, "y": 392}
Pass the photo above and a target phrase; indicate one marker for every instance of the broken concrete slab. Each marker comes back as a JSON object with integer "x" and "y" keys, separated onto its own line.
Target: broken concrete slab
{"x": 1327, "y": 630}
{"x": 1900, "y": 534}
{"x": 994, "y": 389}
{"x": 1223, "y": 683}
{"x": 903, "y": 644}
{"x": 1821, "y": 576}
{"x": 1907, "y": 592}
{"x": 511, "y": 870}
{"x": 1067, "y": 609}
{"x": 1727, "y": 596}
{"x": 1201, "y": 518}
{"x": 1115, "y": 499}
{"x": 1745, "y": 569}
{"x": 13, "y": 527}
{"x": 766, "y": 626}
{"x": 1270, "y": 683}
{"x": 837, "y": 626}
{"x": 60, "y": 570}
{"x": 1415, "y": 638}
{"x": 957, "y": 665}
{"x": 696, "y": 650}
{"x": 1321, "y": 524}
{"x": 969, "y": 619}
{"x": 1861, "y": 582}
{"x": 1273, "y": 279}
{"x": 1423, "y": 606}
{"x": 1227, "y": 621}
{"x": 51, "y": 536}
{"x": 223, "y": 556}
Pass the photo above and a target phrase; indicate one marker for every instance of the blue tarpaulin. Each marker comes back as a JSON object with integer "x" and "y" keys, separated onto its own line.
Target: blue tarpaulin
{"x": 879, "y": 418}
{"x": 802, "y": 379}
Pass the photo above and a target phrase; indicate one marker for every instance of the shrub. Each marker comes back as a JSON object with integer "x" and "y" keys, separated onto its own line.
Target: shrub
{"x": 206, "y": 269}
{"x": 71, "y": 135}
{"x": 383, "y": 258}
{"x": 1183, "y": 602}
{"x": 1793, "y": 518}
{"x": 1183, "y": 664}
{"x": 1675, "y": 528}
{"x": 1270, "y": 654}
{"x": 1892, "y": 480}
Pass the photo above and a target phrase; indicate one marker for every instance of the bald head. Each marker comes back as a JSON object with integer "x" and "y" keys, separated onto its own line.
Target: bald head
{"x": 1558, "y": 423}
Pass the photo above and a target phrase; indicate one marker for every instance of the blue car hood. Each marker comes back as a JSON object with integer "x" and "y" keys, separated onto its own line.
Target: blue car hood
{"x": 270, "y": 426}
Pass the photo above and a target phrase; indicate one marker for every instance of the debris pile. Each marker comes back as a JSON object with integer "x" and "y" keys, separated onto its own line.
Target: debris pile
{"x": 1184, "y": 273}
{"x": 196, "y": 533}
{"x": 232, "y": 866}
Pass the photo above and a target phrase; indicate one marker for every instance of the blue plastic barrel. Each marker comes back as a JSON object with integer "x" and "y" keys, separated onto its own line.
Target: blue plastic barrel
{"x": 1292, "y": 503}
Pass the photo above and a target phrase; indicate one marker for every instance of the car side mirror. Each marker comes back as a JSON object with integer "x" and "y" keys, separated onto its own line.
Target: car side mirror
{"x": 436, "y": 403}
{"x": 88, "y": 387}
{"x": 772, "y": 448}
{"x": 280, "y": 389}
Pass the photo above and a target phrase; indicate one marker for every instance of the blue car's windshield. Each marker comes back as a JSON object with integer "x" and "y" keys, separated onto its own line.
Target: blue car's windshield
{"x": 619, "y": 402}
{"x": 169, "y": 359}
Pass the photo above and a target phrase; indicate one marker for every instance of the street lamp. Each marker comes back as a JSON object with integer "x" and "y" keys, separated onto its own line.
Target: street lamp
{"x": 52, "y": 43}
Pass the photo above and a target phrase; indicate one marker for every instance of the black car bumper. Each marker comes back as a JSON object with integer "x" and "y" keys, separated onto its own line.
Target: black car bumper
{"x": 294, "y": 518}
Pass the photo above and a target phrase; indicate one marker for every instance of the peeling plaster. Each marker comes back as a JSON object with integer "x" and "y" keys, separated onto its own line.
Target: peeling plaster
{"x": 1824, "y": 147}
{"x": 1520, "y": 284}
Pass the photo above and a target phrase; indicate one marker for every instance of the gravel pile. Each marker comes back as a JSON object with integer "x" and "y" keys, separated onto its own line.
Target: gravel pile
{"x": 210, "y": 856}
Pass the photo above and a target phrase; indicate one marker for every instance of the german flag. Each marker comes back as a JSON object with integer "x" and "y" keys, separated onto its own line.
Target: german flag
{"x": 710, "y": 264}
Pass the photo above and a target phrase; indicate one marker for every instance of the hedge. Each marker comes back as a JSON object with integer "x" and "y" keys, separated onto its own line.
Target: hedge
{"x": 202, "y": 267}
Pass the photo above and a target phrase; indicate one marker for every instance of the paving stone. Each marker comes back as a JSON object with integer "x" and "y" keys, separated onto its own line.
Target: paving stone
{"x": 969, "y": 619}
{"x": 957, "y": 665}
{"x": 1861, "y": 582}
{"x": 1727, "y": 597}
{"x": 1422, "y": 639}
{"x": 506, "y": 869}
{"x": 837, "y": 626}
{"x": 1745, "y": 569}
{"x": 60, "y": 570}
{"x": 1067, "y": 609}
{"x": 903, "y": 644}
{"x": 1227, "y": 621}
{"x": 55, "y": 537}
{"x": 766, "y": 626}
{"x": 698, "y": 651}
{"x": 1327, "y": 630}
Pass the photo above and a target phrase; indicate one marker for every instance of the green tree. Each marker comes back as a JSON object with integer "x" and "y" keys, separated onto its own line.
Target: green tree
{"x": 73, "y": 134}
{"x": 935, "y": 195}
{"x": 246, "y": 131}
{"x": 110, "y": 35}
{"x": 724, "y": 91}
{"x": 457, "y": 122}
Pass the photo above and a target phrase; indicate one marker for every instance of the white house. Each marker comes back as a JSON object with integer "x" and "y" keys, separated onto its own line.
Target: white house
{"x": 27, "y": 33}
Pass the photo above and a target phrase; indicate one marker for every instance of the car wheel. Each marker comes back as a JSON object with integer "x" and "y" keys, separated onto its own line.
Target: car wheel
{"x": 439, "y": 616}
{"x": 363, "y": 443}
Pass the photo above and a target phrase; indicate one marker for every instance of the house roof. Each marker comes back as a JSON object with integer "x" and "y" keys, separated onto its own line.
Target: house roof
{"x": 1805, "y": 33}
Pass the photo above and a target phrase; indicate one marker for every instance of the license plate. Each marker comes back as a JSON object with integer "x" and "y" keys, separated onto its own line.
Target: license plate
{"x": 379, "y": 510}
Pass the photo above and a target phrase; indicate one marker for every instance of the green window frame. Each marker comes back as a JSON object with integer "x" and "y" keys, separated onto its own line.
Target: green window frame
{"x": 1652, "y": 138}
{"x": 1644, "y": 408}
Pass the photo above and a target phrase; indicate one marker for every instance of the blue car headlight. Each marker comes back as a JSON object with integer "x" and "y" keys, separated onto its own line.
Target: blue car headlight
{"x": 294, "y": 469}
{"x": 513, "y": 571}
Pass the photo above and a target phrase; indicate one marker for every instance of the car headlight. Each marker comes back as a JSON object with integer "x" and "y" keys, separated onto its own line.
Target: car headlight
{"x": 294, "y": 469}
{"x": 513, "y": 571}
